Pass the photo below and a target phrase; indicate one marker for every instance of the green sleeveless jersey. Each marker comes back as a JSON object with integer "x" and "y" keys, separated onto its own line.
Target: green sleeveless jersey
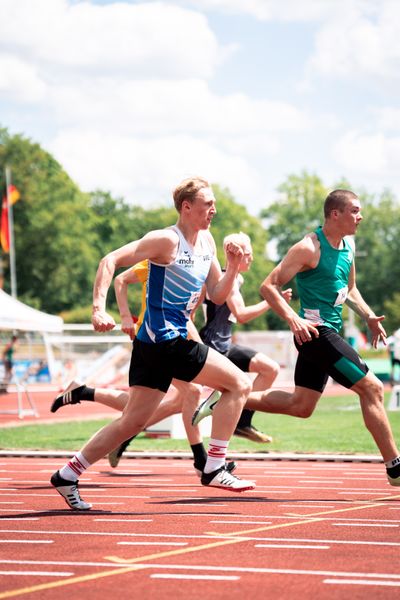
{"x": 323, "y": 290}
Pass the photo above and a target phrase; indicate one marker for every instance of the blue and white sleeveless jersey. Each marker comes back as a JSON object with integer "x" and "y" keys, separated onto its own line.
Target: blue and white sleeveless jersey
{"x": 173, "y": 290}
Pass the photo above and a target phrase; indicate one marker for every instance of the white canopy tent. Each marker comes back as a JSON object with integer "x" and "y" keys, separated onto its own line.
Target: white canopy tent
{"x": 15, "y": 315}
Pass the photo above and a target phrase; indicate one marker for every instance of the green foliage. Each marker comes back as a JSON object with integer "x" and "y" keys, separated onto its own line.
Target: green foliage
{"x": 231, "y": 218}
{"x": 298, "y": 210}
{"x": 61, "y": 234}
{"x": 55, "y": 254}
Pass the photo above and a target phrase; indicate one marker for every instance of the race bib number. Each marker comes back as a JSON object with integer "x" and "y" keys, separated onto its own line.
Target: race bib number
{"x": 341, "y": 296}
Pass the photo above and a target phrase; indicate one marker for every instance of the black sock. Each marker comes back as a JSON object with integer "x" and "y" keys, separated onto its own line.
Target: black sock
{"x": 199, "y": 455}
{"x": 245, "y": 418}
{"x": 86, "y": 393}
{"x": 393, "y": 472}
{"x": 124, "y": 445}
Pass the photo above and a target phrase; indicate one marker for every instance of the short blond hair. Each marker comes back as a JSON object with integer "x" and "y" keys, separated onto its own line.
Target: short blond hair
{"x": 238, "y": 238}
{"x": 187, "y": 190}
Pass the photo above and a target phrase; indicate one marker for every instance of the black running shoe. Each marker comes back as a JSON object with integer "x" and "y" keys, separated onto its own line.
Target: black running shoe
{"x": 69, "y": 491}
{"x": 70, "y": 396}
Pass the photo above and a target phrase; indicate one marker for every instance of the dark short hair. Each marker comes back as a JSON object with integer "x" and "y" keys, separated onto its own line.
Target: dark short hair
{"x": 187, "y": 190}
{"x": 337, "y": 200}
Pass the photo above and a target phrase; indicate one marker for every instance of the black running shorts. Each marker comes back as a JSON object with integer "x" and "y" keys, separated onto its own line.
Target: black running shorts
{"x": 240, "y": 356}
{"x": 155, "y": 365}
{"x": 328, "y": 355}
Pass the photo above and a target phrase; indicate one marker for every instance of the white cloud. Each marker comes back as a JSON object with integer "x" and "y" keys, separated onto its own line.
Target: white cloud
{"x": 267, "y": 10}
{"x": 135, "y": 40}
{"x": 388, "y": 118}
{"x": 361, "y": 42}
{"x": 20, "y": 80}
{"x": 160, "y": 107}
{"x": 369, "y": 154}
{"x": 143, "y": 170}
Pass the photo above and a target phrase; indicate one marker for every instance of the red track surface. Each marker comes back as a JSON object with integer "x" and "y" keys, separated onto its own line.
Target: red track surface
{"x": 309, "y": 530}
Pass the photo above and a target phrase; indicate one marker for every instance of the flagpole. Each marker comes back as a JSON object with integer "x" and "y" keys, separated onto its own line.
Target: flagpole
{"x": 13, "y": 276}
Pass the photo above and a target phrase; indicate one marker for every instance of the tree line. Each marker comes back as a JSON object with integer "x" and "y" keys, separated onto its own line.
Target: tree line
{"x": 61, "y": 233}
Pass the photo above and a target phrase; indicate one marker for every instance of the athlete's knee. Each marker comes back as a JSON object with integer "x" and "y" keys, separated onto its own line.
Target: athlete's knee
{"x": 302, "y": 409}
{"x": 191, "y": 395}
{"x": 243, "y": 385}
{"x": 370, "y": 388}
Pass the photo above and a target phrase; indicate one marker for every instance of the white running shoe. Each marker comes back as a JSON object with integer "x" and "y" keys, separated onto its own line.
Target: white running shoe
{"x": 206, "y": 407}
{"x": 69, "y": 491}
{"x": 393, "y": 480}
{"x": 222, "y": 478}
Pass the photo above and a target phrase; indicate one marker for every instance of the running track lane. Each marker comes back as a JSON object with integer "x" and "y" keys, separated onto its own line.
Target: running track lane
{"x": 309, "y": 530}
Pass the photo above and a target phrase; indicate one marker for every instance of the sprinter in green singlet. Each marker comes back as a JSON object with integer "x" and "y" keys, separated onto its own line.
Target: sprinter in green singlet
{"x": 323, "y": 264}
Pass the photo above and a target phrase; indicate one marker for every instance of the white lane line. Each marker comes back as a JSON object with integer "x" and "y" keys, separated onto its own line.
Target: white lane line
{"x": 188, "y": 491}
{"x": 198, "y": 504}
{"x": 309, "y": 547}
{"x": 11, "y": 502}
{"x": 266, "y": 490}
{"x": 41, "y": 573}
{"x": 362, "y": 582}
{"x": 320, "y": 480}
{"x": 87, "y": 493}
{"x": 116, "y": 533}
{"x": 313, "y": 541}
{"x": 26, "y": 542}
{"x": 245, "y": 522}
{"x": 19, "y": 519}
{"x": 307, "y": 506}
{"x": 363, "y": 525}
{"x": 212, "y": 568}
{"x": 126, "y": 520}
{"x": 18, "y": 510}
{"x": 201, "y": 577}
{"x": 152, "y": 543}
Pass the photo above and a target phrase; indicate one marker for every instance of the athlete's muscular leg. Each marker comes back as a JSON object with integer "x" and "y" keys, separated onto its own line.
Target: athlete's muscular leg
{"x": 300, "y": 403}
{"x": 220, "y": 373}
{"x": 370, "y": 391}
{"x": 267, "y": 371}
{"x": 141, "y": 404}
{"x": 190, "y": 395}
{"x": 113, "y": 398}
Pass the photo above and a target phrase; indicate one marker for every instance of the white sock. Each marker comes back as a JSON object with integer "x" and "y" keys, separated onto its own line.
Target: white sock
{"x": 393, "y": 463}
{"x": 216, "y": 455}
{"x": 74, "y": 468}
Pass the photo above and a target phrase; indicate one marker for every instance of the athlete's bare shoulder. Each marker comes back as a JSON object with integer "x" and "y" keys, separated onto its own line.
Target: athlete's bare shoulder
{"x": 305, "y": 252}
{"x": 162, "y": 245}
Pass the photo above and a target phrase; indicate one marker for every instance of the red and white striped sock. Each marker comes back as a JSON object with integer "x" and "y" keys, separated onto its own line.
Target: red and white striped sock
{"x": 75, "y": 467}
{"x": 216, "y": 455}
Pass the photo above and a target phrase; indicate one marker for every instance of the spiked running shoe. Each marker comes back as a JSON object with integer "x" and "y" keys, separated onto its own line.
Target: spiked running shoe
{"x": 229, "y": 466}
{"x": 69, "y": 491}
{"x": 115, "y": 455}
{"x": 251, "y": 433}
{"x": 206, "y": 407}
{"x": 70, "y": 396}
{"x": 223, "y": 479}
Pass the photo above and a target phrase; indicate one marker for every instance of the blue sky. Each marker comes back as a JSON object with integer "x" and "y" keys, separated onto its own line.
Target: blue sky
{"x": 133, "y": 96}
